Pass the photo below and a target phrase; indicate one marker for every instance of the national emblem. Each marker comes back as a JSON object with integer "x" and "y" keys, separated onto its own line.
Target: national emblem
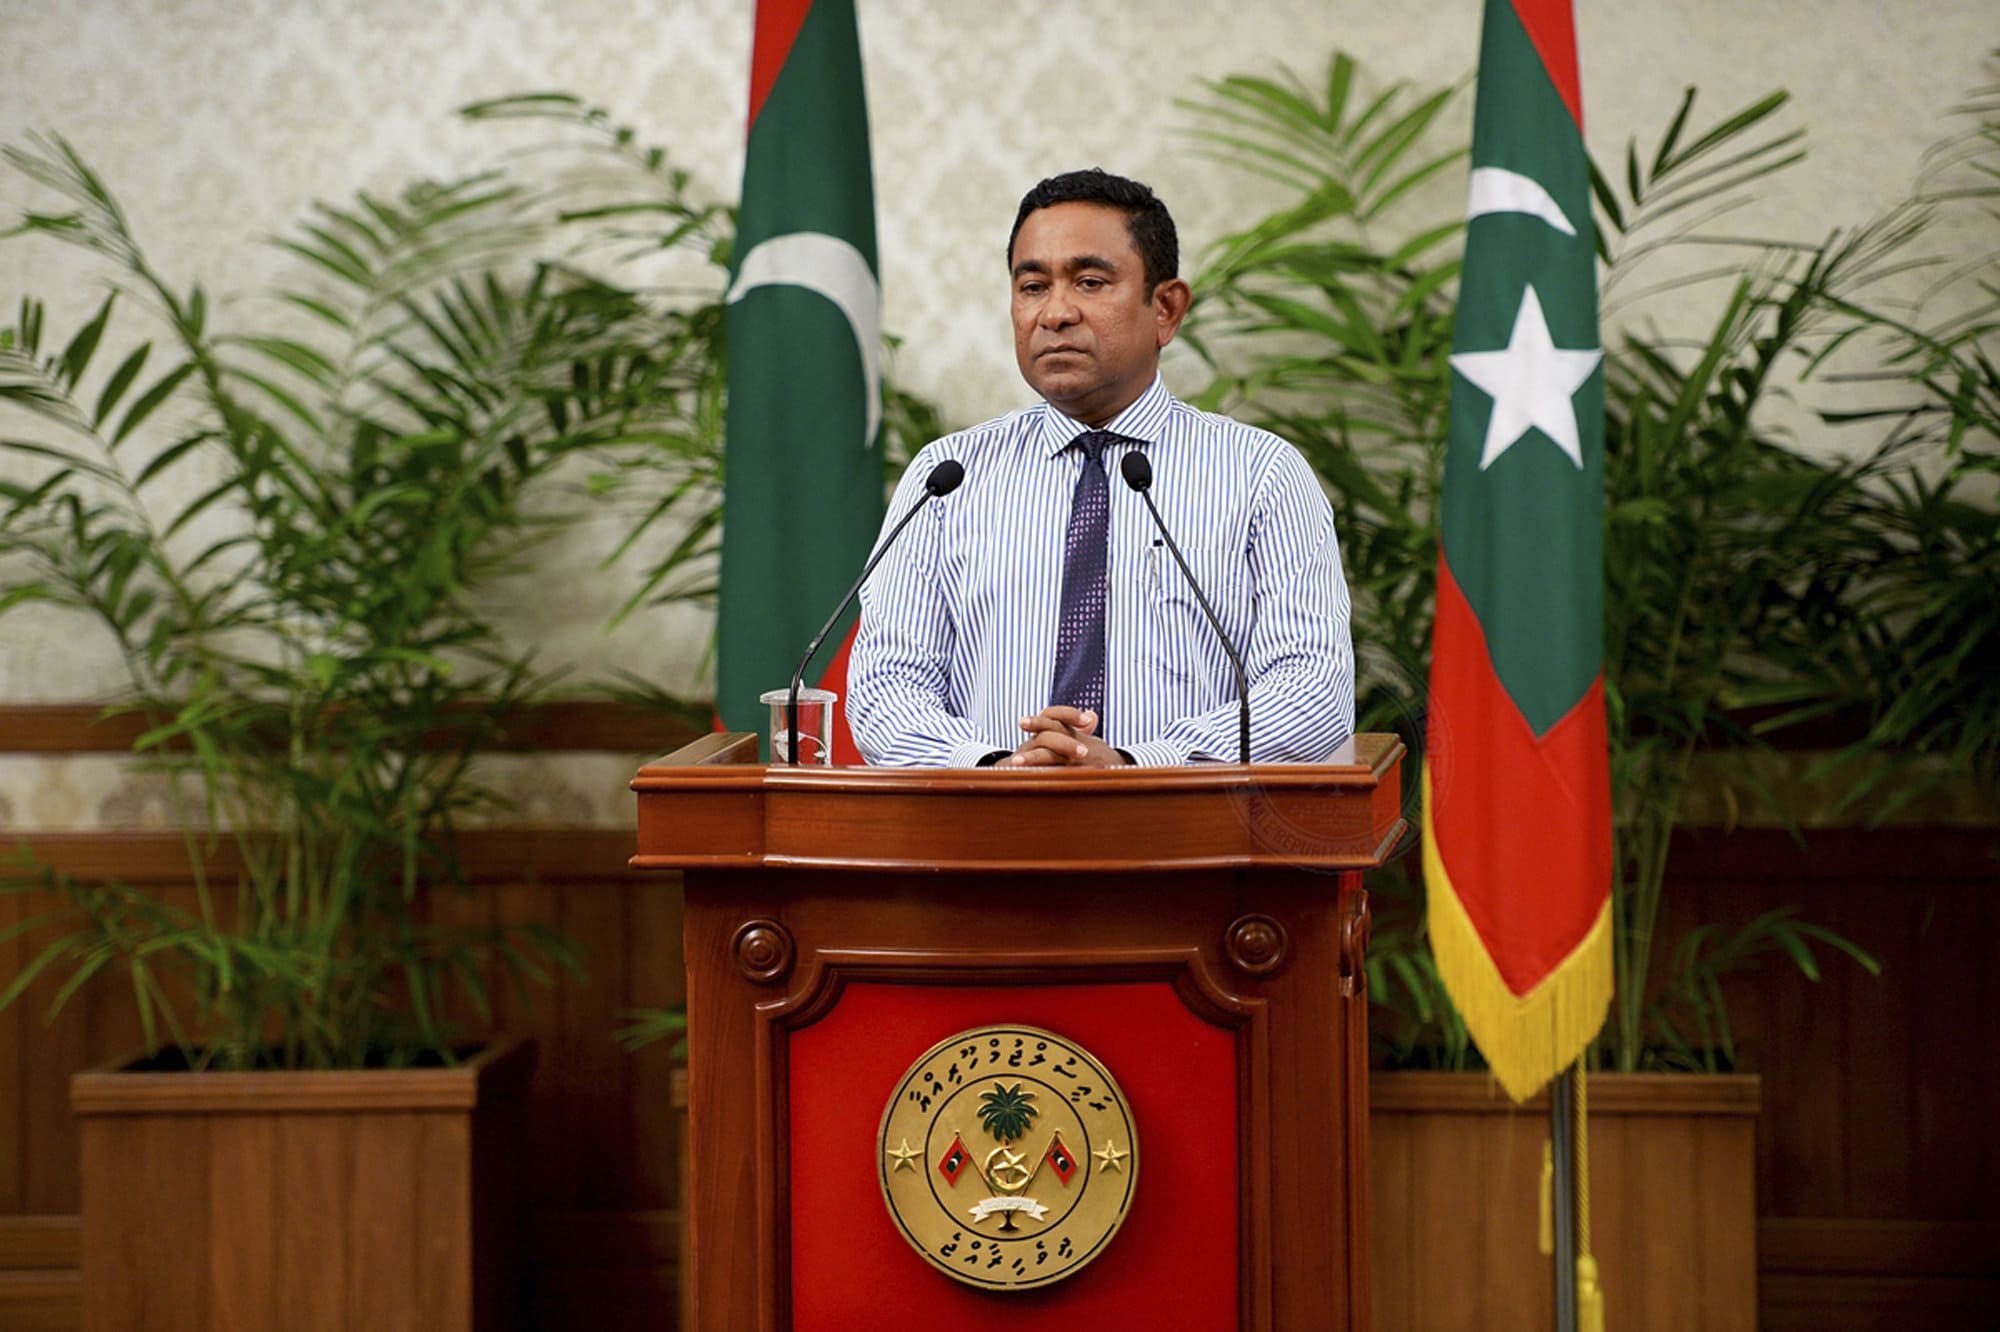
{"x": 1031, "y": 1094}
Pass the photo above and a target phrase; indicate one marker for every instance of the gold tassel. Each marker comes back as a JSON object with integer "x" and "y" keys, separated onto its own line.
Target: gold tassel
{"x": 1589, "y": 1299}
{"x": 1548, "y": 1209}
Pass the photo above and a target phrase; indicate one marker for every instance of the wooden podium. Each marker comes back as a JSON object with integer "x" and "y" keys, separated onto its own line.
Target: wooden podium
{"x": 1200, "y": 931}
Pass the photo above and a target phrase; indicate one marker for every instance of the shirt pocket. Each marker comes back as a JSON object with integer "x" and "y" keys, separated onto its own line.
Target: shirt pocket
{"x": 1181, "y": 641}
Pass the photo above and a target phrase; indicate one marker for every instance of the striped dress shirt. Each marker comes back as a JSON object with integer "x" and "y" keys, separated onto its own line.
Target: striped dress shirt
{"x": 958, "y": 623}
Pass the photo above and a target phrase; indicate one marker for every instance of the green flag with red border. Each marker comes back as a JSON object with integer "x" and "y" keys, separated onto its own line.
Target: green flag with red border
{"x": 1517, "y": 806}
{"x": 803, "y": 478}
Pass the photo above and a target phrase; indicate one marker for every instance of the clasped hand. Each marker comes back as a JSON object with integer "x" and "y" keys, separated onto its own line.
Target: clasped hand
{"x": 1062, "y": 737}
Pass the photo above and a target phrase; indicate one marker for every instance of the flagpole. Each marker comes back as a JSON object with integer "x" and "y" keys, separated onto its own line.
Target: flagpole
{"x": 1562, "y": 1124}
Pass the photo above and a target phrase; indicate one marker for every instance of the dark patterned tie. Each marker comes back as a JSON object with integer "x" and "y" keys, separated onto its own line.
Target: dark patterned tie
{"x": 1079, "y": 675}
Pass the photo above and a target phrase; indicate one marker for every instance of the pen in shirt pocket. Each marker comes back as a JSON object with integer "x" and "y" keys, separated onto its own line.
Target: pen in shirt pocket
{"x": 1153, "y": 565}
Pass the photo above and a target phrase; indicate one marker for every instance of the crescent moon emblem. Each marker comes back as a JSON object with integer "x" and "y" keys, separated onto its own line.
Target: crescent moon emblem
{"x": 836, "y": 270}
{"x": 1498, "y": 190}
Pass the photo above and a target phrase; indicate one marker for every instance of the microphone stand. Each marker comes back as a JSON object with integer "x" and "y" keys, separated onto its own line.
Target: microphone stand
{"x": 1138, "y": 473}
{"x": 944, "y": 479}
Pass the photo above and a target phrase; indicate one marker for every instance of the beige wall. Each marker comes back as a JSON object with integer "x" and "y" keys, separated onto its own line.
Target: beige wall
{"x": 217, "y": 121}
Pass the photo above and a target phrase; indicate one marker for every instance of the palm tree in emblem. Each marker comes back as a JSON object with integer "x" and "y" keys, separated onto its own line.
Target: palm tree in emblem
{"x": 1006, "y": 1112}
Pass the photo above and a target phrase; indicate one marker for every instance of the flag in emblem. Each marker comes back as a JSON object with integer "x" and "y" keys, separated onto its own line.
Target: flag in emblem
{"x": 1059, "y": 1159}
{"x": 955, "y": 1161}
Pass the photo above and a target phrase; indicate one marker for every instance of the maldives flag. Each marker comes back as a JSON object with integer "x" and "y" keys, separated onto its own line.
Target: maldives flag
{"x": 954, "y": 1161}
{"x": 803, "y": 478}
{"x": 1060, "y": 1160}
{"x": 1517, "y": 792}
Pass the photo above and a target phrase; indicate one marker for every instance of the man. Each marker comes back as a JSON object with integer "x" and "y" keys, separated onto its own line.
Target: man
{"x": 1032, "y": 617}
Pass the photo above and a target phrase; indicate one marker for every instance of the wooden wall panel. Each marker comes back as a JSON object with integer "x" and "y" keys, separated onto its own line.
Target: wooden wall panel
{"x": 51, "y": 1049}
{"x": 593, "y": 1070}
{"x": 40, "y": 1300}
{"x": 1877, "y": 1098}
{"x": 654, "y": 979}
{"x": 1456, "y": 1171}
{"x": 13, "y": 1055}
{"x": 1955, "y": 1039}
{"x": 1878, "y": 1094}
{"x": 1878, "y": 1276}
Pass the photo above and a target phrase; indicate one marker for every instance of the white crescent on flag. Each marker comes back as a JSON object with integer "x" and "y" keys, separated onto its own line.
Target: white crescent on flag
{"x": 836, "y": 270}
{"x": 1498, "y": 190}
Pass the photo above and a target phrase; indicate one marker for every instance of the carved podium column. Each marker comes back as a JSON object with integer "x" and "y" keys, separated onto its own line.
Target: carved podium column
{"x": 1025, "y": 1048}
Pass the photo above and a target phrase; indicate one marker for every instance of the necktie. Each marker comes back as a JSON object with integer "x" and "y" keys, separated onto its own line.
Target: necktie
{"x": 1079, "y": 673}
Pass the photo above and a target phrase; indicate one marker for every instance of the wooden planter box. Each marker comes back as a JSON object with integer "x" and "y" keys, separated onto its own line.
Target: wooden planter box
{"x": 377, "y": 1199}
{"x": 1455, "y": 1176}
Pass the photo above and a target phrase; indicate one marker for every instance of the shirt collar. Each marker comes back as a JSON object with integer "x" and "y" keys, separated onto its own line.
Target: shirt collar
{"x": 1144, "y": 420}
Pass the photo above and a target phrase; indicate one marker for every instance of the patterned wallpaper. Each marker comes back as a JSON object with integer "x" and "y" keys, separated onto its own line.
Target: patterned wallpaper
{"x": 217, "y": 122}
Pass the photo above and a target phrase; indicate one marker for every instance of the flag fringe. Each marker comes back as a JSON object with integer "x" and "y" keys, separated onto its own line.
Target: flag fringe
{"x": 1526, "y": 1038}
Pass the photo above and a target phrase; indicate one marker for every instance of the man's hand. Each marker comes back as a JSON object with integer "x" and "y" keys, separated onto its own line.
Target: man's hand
{"x": 1062, "y": 737}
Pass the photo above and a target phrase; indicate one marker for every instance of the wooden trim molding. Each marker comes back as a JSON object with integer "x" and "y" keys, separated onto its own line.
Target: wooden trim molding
{"x": 488, "y": 855}
{"x": 110, "y": 1090}
{"x": 1343, "y": 814}
{"x": 1610, "y": 1094}
{"x": 84, "y": 728}
{"x": 1811, "y": 1246}
{"x": 1839, "y": 855}
{"x": 40, "y": 1243}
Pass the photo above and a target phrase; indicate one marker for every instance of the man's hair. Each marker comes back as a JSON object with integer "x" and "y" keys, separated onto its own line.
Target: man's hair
{"x": 1152, "y": 227}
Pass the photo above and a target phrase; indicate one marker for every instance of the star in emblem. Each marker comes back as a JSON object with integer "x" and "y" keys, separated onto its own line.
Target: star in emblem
{"x": 1531, "y": 382}
{"x": 904, "y": 1156}
{"x": 1109, "y": 1158}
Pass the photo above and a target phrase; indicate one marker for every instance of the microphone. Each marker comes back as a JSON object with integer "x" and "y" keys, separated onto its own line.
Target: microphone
{"x": 1138, "y": 473}
{"x": 944, "y": 479}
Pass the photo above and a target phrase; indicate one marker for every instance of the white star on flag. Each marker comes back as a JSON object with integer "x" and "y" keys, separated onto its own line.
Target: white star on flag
{"x": 1531, "y": 382}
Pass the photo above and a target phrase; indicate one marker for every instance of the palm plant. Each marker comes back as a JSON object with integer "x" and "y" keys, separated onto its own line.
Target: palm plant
{"x": 1729, "y": 566}
{"x": 1731, "y": 557}
{"x": 1329, "y": 322}
{"x": 321, "y": 674}
{"x": 1934, "y": 558}
{"x": 627, "y": 203}
{"x": 303, "y": 635}
{"x": 633, "y": 203}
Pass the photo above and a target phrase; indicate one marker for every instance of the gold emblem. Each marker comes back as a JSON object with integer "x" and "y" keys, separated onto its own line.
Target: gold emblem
{"x": 1007, "y": 1157}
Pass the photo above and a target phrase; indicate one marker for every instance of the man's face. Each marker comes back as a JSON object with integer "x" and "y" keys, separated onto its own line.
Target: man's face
{"x": 1087, "y": 332}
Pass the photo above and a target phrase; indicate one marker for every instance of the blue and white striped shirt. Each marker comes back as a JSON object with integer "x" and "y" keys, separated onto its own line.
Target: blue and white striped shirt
{"x": 958, "y": 624}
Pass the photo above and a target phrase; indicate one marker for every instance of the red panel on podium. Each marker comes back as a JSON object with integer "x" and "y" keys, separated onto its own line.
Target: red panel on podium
{"x": 1172, "y": 1264}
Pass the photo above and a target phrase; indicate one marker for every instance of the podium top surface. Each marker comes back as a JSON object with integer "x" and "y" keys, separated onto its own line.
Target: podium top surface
{"x": 702, "y": 808}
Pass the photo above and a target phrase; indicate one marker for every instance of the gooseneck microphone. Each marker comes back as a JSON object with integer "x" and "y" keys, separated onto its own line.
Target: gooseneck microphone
{"x": 1138, "y": 474}
{"x": 944, "y": 479}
